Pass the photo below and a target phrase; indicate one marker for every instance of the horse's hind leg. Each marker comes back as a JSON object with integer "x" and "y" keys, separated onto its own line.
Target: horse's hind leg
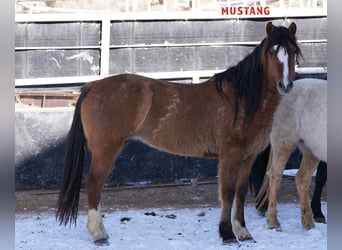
{"x": 320, "y": 180}
{"x": 303, "y": 179}
{"x": 279, "y": 158}
{"x": 101, "y": 165}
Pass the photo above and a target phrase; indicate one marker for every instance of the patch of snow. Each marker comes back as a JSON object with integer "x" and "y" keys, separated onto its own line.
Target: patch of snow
{"x": 293, "y": 172}
{"x": 195, "y": 228}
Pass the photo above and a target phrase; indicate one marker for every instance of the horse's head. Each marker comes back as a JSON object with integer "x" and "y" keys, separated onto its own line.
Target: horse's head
{"x": 279, "y": 55}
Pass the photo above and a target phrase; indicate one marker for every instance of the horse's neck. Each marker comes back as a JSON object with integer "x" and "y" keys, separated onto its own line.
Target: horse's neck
{"x": 269, "y": 99}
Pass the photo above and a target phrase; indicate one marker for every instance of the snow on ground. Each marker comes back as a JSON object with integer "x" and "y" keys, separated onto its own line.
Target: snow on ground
{"x": 195, "y": 228}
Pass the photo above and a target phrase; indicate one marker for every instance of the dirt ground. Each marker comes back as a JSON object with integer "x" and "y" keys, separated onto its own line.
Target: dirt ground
{"x": 164, "y": 195}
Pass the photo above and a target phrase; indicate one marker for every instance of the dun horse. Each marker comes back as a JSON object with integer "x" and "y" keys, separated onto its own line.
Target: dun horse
{"x": 228, "y": 117}
{"x": 257, "y": 177}
{"x": 301, "y": 120}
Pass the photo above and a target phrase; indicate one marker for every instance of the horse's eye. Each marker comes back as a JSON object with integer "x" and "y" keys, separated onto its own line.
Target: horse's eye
{"x": 273, "y": 50}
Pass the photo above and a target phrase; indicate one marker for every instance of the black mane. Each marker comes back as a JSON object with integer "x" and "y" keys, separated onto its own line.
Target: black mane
{"x": 245, "y": 77}
{"x": 282, "y": 37}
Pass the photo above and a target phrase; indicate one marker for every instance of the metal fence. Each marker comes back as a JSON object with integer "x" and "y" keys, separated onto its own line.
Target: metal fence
{"x": 94, "y": 44}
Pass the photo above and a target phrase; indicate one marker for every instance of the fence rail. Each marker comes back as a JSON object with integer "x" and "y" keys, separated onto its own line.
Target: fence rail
{"x": 192, "y": 76}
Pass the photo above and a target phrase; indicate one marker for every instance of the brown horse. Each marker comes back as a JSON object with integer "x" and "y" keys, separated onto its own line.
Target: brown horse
{"x": 228, "y": 117}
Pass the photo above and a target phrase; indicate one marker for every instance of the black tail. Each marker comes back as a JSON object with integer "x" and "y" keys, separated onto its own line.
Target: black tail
{"x": 256, "y": 179}
{"x": 67, "y": 204}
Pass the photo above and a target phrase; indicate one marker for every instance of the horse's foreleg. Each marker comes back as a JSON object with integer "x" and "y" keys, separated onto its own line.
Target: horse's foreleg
{"x": 303, "y": 179}
{"x": 279, "y": 158}
{"x": 227, "y": 183}
{"x": 239, "y": 225}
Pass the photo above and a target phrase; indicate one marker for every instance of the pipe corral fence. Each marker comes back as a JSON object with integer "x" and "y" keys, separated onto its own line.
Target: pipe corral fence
{"x": 57, "y": 50}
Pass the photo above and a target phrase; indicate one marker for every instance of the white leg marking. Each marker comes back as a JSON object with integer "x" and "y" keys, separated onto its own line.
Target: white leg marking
{"x": 95, "y": 225}
{"x": 241, "y": 232}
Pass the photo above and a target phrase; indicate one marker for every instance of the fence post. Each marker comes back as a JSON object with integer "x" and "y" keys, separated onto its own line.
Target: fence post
{"x": 105, "y": 43}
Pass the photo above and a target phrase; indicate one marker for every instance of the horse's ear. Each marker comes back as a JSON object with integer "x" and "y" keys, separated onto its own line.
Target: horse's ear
{"x": 293, "y": 28}
{"x": 269, "y": 28}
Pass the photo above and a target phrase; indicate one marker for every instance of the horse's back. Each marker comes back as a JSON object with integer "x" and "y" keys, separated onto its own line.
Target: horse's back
{"x": 173, "y": 117}
{"x": 306, "y": 108}
{"x": 115, "y": 106}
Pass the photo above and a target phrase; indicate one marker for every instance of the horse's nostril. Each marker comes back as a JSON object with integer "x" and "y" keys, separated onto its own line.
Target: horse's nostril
{"x": 284, "y": 89}
{"x": 281, "y": 86}
{"x": 289, "y": 87}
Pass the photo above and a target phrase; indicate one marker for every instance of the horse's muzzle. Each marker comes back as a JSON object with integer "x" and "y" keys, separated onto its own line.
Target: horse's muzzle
{"x": 284, "y": 89}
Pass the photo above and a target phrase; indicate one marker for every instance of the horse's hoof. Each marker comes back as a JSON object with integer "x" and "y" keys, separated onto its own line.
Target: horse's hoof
{"x": 247, "y": 239}
{"x": 308, "y": 226}
{"x": 102, "y": 242}
{"x": 230, "y": 242}
{"x": 273, "y": 224}
{"x": 275, "y": 227}
{"x": 320, "y": 220}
